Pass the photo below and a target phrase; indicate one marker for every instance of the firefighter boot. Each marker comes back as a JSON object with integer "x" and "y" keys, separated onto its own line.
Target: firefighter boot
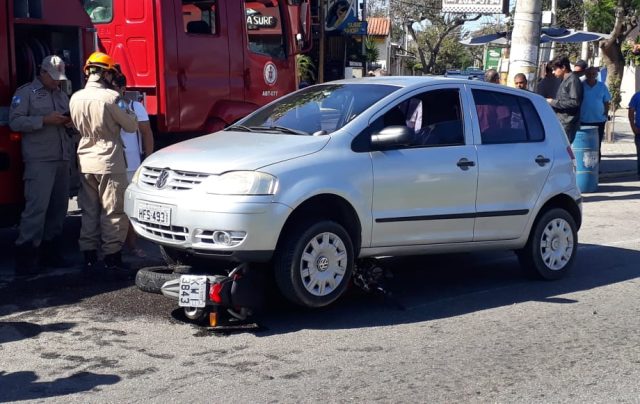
{"x": 26, "y": 259}
{"x": 113, "y": 262}
{"x": 90, "y": 260}
{"x": 50, "y": 255}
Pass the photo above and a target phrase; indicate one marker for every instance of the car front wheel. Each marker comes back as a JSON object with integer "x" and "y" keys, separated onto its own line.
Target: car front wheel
{"x": 314, "y": 263}
{"x": 552, "y": 245}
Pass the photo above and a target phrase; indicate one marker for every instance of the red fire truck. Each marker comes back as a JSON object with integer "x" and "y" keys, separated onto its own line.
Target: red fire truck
{"x": 198, "y": 64}
{"x": 29, "y": 31}
{"x": 202, "y": 64}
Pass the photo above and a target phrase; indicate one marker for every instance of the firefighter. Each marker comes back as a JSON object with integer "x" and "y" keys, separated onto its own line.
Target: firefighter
{"x": 40, "y": 111}
{"x": 99, "y": 114}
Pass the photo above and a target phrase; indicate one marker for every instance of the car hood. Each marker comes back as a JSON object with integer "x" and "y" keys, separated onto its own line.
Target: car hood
{"x": 231, "y": 151}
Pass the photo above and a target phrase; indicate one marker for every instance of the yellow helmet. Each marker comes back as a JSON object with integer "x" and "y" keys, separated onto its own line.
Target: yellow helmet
{"x": 101, "y": 60}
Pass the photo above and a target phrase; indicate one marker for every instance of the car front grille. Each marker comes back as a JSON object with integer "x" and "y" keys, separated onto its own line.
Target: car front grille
{"x": 177, "y": 181}
{"x": 171, "y": 233}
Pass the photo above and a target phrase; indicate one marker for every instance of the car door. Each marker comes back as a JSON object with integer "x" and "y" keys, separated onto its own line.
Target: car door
{"x": 514, "y": 157}
{"x": 425, "y": 193}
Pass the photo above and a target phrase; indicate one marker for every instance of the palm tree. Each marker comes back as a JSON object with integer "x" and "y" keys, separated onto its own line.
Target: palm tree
{"x": 305, "y": 68}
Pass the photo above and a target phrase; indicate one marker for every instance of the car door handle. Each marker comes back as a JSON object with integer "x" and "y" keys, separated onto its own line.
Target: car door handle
{"x": 542, "y": 160}
{"x": 464, "y": 164}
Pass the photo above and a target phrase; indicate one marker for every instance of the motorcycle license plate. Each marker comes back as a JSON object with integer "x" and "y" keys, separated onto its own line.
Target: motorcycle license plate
{"x": 154, "y": 213}
{"x": 193, "y": 290}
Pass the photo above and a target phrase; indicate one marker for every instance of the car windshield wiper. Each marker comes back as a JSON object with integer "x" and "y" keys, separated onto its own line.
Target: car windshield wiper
{"x": 282, "y": 129}
{"x": 240, "y": 128}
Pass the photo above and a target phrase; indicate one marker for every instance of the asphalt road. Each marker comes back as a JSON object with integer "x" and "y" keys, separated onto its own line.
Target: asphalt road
{"x": 472, "y": 329}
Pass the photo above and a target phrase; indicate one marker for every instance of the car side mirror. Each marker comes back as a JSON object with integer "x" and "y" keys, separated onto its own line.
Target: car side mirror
{"x": 392, "y": 137}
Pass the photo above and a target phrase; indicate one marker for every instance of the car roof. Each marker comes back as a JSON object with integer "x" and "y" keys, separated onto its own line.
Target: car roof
{"x": 414, "y": 81}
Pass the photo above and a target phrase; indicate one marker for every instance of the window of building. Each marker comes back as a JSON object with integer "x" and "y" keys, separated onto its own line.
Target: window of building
{"x": 506, "y": 118}
{"x": 199, "y": 17}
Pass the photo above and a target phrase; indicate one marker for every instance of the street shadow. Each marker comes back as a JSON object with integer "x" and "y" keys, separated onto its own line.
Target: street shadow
{"x": 618, "y": 188}
{"x": 434, "y": 287}
{"x": 24, "y": 385}
{"x": 57, "y": 287}
{"x": 17, "y": 330}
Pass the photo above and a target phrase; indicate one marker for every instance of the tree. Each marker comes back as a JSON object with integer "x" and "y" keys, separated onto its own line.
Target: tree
{"x": 619, "y": 18}
{"x": 437, "y": 27}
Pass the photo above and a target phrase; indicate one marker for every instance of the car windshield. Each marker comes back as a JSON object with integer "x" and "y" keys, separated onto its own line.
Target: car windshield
{"x": 319, "y": 109}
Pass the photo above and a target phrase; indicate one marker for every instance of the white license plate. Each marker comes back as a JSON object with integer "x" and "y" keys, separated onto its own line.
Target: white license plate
{"x": 153, "y": 213}
{"x": 193, "y": 289}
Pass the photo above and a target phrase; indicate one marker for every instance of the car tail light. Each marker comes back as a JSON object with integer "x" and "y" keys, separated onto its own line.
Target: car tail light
{"x": 15, "y": 137}
{"x": 570, "y": 152}
{"x": 214, "y": 293}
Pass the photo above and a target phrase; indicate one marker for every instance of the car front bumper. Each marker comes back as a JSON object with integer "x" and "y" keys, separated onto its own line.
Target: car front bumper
{"x": 195, "y": 217}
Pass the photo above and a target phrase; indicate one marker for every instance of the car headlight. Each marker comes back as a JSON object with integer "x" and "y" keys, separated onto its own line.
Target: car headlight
{"x": 136, "y": 175}
{"x": 242, "y": 183}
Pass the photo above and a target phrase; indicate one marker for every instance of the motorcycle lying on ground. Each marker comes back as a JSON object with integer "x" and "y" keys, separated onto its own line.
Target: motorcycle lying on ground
{"x": 226, "y": 302}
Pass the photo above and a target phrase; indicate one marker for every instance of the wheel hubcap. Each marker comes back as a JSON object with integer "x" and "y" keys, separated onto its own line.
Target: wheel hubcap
{"x": 323, "y": 264}
{"x": 556, "y": 244}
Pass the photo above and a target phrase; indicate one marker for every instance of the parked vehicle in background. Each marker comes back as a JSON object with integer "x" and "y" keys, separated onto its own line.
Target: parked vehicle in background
{"x": 338, "y": 172}
{"x": 31, "y": 30}
{"x": 200, "y": 65}
{"x": 471, "y": 73}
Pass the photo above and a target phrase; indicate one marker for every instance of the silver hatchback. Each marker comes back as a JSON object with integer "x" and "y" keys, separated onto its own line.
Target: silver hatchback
{"x": 334, "y": 173}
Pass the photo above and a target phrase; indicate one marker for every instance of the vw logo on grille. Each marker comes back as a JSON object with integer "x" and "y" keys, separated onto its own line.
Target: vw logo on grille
{"x": 162, "y": 179}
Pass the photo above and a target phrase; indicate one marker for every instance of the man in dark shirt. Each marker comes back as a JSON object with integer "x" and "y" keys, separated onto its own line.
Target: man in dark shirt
{"x": 569, "y": 97}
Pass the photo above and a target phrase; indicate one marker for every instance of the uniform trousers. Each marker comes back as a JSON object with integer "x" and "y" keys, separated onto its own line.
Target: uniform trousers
{"x": 101, "y": 200}
{"x": 46, "y": 194}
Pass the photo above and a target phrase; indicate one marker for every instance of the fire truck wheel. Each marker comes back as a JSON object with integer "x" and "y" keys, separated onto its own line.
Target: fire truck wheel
{"x": 151, "y": 279}
{"x": 314, "y": 262}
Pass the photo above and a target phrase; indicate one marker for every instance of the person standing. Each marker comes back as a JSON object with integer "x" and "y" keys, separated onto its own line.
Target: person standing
{"x": 634, "y": 120}
{"x": 99, "y": 113}
{"x": 567, "y": 102}
{"x": 580, "y": 68}
{"x": 492, "y": 76}
{"x": 548, "y": 86}
{"x": 137, "y": 146}
{"x": 520, "y": 81}
{"x": 595, "y": 103}
{"x": 39, "y": 111}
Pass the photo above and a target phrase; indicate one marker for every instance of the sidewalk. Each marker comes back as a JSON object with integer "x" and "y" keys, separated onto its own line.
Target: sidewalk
{"x": 619, "y": 157}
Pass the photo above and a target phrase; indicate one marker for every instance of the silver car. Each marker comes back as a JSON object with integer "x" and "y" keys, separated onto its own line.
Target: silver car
{"x": 334, "y": 173}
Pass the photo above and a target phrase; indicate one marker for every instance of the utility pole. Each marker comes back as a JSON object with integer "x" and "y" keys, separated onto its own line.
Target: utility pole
{"x": 525, "y": 39}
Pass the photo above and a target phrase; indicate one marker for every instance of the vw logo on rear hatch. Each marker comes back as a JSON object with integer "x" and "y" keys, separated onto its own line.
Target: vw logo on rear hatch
{"x": 162, "y": 180}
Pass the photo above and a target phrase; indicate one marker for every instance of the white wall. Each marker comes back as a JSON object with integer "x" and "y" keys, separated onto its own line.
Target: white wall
{"x": 630, "y": 85}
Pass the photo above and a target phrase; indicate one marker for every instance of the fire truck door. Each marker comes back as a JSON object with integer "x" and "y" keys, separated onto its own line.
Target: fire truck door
{"x": 203, "y": 60}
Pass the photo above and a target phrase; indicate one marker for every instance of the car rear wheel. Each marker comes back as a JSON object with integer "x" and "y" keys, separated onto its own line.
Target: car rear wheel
{"x": 552, "y": 246}
{"x": 314, "y": 262}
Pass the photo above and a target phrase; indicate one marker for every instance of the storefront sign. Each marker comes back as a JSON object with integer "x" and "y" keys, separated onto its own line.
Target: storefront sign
{"x": 475, "y": 6}
{"x": 339, "y": 13}
{"x": 356, "y": 28}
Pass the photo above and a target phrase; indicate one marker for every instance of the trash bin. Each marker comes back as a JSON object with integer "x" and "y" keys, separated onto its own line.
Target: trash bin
{"x": 585, "y": 147}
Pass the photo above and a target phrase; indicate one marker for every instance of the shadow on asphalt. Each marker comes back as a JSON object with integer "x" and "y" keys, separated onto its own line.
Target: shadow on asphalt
{"x": 611, "y": 192}
{"x": 17, "y": 330}
{"x": 434, "y": 287}
{"x": 425, "y": 287}
{"x": 24, "y": 385}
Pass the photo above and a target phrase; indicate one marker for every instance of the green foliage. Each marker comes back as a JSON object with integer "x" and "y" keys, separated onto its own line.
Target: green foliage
{"x": 630, "y": 52}
{"x": 372, "y": 53}
{"x": 600, "y": 15}
{"x": 614, "y": 90}
{"x": 305, "y": 67}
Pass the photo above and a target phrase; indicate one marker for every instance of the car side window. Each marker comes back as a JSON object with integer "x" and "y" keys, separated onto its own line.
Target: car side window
{"x": 506, "y": 118}
{"x": 436, "y": 117}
